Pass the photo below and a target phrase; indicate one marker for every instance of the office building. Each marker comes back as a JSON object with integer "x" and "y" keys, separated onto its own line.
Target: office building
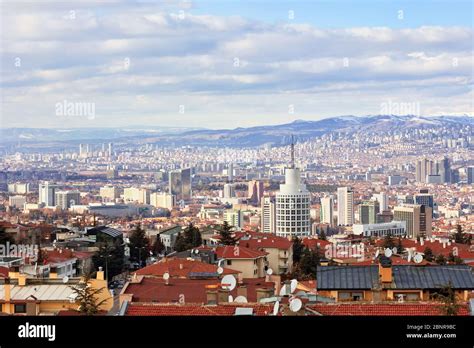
{"x": 395, "y": 180}
{"x": 382, "y": 198}
{"x": 162, "y": 200}
{"x": 233, "y": 218}
{"x": 394, "y": 229}
{"x": 417, "y": 217}
{"x": 17, "y": 201}
{"x": 424, "y": 168}
{"x": 424, "y": 198}
{"x": 229, "y": 191}
{"x": 255, "y": 191}
{"x": 444, "y": 170}
{"x": 345, "y": 206}
{"x": 470, "y": 175}
{"x": 368, "y": 212}
{"x": 66, "y": 199}
{"x": 47, "y": 194}
{"x": 268, "y": 219}
{"x": 180, "y": 184}
{"x": 327, "y": 210}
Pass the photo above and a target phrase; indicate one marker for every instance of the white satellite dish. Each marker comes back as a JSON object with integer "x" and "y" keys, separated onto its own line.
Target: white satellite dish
{"x": 295, "y": 305}
{"x": 283, "y": 290}
{"x": 220, "y": 270}
{"x": 166, "y": 276}
{"x": 269, "y": 271}
{"x": 388, "y": 252}
{"x": 228, "y": 282}
{"x": 65, "y": 279}
{"x": 394, "y": 250}
{"x": 293, "y": 285}
{"x": 231, "y": 298}
{"x": 377, "y": 253}
{"x": 196, "y": 251}
{"x": 241, "y": 299}
{"x": 276, "y": 308}
{"x": 418, "y": 258}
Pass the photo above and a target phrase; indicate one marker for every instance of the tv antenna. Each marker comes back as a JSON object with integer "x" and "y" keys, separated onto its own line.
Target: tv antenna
{"x": 292, "y": 151}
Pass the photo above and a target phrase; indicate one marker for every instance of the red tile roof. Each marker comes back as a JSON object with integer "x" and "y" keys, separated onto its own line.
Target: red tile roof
{"x": 4, "y": 272}
{"x": 238, "y": 252}
{"x": 314, "y": 242}
{"x": 263, "y": 240}
{"x": 193, "y": 290}
{"x": 392, "y": 309}
{"x": 155, "y": 309}
{"x": 180, "y": 268}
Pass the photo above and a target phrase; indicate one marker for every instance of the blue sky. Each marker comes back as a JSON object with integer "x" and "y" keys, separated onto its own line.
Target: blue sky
{"x": 227, "y": 64}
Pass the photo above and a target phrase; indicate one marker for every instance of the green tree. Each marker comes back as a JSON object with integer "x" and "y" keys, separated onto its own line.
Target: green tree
{"x": 110, "y": 258}
{"x": 139, "y": 245}
{"x": 440, "y": 259}
{"x": 400, "y": 248}
{"x": 87, "y": 296}
{"x": 158, "y": 246}
{"x": 298, "y": 248}
{"x": 455, "y": 259}
{"x": 309, "y": 262}
{"x": 428, "y": 254}
{"x": 188, "y": 239}
{"x": 5, "y": 237}
{"x": 447, "y": 296}
{"x": 461, "y": 237}
{"x": 225, "y": 231}
{"x": 388, "y": 242}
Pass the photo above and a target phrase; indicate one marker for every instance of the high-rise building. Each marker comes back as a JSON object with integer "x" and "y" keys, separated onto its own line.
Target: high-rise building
{"x": 444, "y": 170}
{"x": 135, "y": 194}
{"x": 233, "y": 218}
{"x": 255, "y": 191}
{"x": 110, "y": 150}
{"x": 394, "y": 180}
{"x": 368, "y": 212}
{"x": 417, "y": 217}
{"x": 268, "y": 219}
{"x": 109, "y": 193}
{"x": 293, "y": 204}
{"x": 424, "y": 168}
{"x": 424, "y": 198}
{"x": 84, "y": 150}
{"x": 327, "y": 210}
{"x": 345, "y": 206}
{"x": 470, "y": 175}
{"x": 180, "y": 184}
{"x": 230, "y": 172}
{"x": 47, "y": 194}
{"x": 162, "y": 200}
{"x": 229, "y": 191}
{"x": 382, "y": 198}
{"x": 66, "y": 199}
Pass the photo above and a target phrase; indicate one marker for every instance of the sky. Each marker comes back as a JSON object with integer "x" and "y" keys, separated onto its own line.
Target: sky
{"x": 228, "y": 64}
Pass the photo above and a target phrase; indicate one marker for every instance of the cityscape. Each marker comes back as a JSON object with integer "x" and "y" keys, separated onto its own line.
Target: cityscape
{"x": 210, "y": 159}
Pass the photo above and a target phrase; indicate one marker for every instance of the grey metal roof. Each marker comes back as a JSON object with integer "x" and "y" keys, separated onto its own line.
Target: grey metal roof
{"x": 347, "y": 277}
{"x": 107, "y": 230}
{"x": 56, "y": 292}
{"x": 404, "y": 277}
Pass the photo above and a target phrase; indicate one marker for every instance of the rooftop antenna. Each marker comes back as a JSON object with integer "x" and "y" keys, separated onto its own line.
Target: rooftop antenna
{"x": 292, "y": 151}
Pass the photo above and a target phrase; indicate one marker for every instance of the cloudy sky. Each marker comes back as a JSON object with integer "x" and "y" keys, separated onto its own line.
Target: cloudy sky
{"x": 227, "y": 64}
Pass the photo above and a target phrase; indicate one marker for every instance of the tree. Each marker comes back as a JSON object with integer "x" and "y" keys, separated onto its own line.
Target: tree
{"x": 225, "y": 232}
{"x": 455, "y": 259}
{"x": 110, "y": 258}
{"x": 440, "y": 259}
{"x": 5, "y": 237}
{"x": 298, "y": 249}
{"x": 87, "y": 296}
{"x": 460, "y": 237}
{"x": 400, "y": 248}
{"x": 188, "y": 239}
{"x": 158, "y": 246}
{"x": 322, "y": 235}
{"x": 428, "y": 254}
{"x": 139, "y": 245}
{"x": 388, "y": 242}
{"x": 447, "y": 296}
{"x": 309, "y": 262}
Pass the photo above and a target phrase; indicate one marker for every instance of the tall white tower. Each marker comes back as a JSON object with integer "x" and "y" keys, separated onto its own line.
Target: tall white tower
{"x": 345, "y": 206}
{"x": 292, "y": 204}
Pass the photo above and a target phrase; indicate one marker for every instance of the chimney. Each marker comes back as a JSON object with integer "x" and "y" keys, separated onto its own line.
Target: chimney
{"x": 240, "y": 279}
{"x": 22, "y": 280}
{"x": 242, "y": 291}
{"x": 181, "y": 266}
{"x": 14, "y": 272}
{"x": 385, "y": 269}
{"x": 53, "y": 273}
{"x": 100, "y": 274}
{"x": 422, "y": 241}
{"x": 264, "y": 293}
{"x": 449, "y": 242}
{"x": 211, "y": 295}
{"x": 444, "y": 245}
{"x": 222, "y": 295}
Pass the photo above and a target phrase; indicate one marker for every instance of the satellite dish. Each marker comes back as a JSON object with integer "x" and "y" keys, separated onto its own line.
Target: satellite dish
{"x": 388, "y": 252}
{"x": 65, "y": 279}
{"x": 418, "y": 258}
{"x": 228, "y": 282}
{"x": 166, "y": 276}
{"x": 196, "y": 251}
{"x": 276, "y": 308}
{"x": 269, "y": 271}
{"x": 293, "y": 285}
{"x": 241, "y": 299}
{"x": 296, "y": 305}
{"x": 394, "y": 250}
{"x": 283, "y": 290}
{"x": 220, "y": 270}
{"x": 231, "y": 298}
{"x": 377, "y": 253}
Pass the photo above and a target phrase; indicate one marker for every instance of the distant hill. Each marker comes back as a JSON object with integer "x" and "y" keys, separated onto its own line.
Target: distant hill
{"x": 253, "y": 136}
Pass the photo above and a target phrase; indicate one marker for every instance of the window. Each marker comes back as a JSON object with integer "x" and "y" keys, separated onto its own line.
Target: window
{"x": 20, "y": 308}
{"x": 229, "y": 262}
